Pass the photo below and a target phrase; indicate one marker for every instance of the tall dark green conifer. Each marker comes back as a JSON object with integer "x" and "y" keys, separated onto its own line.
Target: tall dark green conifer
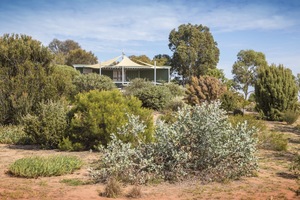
{"x": 275, "y": 91}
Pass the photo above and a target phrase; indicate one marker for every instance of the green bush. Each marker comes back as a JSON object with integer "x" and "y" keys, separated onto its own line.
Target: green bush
{"x": 154, "y": 97}
{"x": 98, "y": 114}
{"x": 92, "y": 81}
{"x": 175, "y": 89}
{"x": 290, "y": 116}
{"x": 34, "y": 167}
{"x": 273, "y": 141}
{"x": 13, "y": 134}
{"x": 48, "y": 126}
{"x": 200, "y": 140}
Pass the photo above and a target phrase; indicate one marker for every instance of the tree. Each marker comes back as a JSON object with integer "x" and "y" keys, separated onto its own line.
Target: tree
{"x": 80, "y": 56}
{"x": 69, "y": 52}
{"x": 194, "y": 50}
{"x": 25, "y": 72}
{"x": 275, "y": 91}
{"x": 204, "y": 88}
{"x": 162, "y": 60}
{"x": 64, "y": 47}
{"x": 142, "y": 58}
{"x": 244, "y": 69}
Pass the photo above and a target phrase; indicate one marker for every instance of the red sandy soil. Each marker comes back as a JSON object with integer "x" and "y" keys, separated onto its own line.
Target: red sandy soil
{"x": 273, "y": 180}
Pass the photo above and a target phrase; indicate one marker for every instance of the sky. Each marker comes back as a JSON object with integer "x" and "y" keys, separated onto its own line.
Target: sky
{"x": 142, "y": 27}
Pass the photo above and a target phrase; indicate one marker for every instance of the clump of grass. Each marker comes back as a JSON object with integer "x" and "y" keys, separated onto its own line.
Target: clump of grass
{"x": 295, "y": 165}
{"x": 273, "y": 141}
{"x": 12, "y": 134}
{"x": 33, "y": 167}
{"x": 251, "y": 121}
{"x": 73, "y": 182}
{"x": 113, "y": 189}
{"x": 135, "y": 192}
{"x": 290, "y": 117}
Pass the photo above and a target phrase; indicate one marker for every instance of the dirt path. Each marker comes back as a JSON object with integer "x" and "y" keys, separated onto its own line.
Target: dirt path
{"x": 273, "y": 181}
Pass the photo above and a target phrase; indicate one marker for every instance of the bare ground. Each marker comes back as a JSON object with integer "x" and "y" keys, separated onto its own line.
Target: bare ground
{"x": 273, "y": 180}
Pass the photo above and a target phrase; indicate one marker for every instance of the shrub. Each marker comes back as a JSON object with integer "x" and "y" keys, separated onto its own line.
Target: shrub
{"x": 290, "y": 116}
{"x": 175, "y": 89}
{"x": 273, "y": 141}
{"x": 201, "y": 139}
{"x": 48, "y": 126}
{"x": 13, "y": 134}
{"x": 135, "y": 192}
{"x": 92, "y": 81}
{"x": 113, "y": 189}
{"x": 34, "y": 167}
{"x": 275, "y": 91}
{"x": 204, "y": 88}
{"x": 98, "y": 114}
{"x": 154, "y": 97}
{"x": 136, "y": 85}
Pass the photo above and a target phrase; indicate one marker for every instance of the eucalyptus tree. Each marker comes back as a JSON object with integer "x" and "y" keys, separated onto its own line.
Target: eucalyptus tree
{"x": 194, "y": 50}
{"x": 244, "y": 69}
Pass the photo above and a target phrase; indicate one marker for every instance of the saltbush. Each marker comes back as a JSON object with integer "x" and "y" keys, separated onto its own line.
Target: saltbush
{"x": 33, "y": 167}
{"x": 200, "y": 140}
{"x": 13, "y": 134}
{"x": 48, "y": 126}
{"x": 98, "y": 114}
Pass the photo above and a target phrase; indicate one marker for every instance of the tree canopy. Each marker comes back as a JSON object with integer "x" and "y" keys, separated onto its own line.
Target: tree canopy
{"x": 244, "y": 69}
{"x": 194, "y": 50}
{"x": 69, "y": 52}
{"x": 25, "y": 71}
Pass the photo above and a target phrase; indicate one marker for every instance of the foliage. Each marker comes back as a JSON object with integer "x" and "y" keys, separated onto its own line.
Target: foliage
{"x": 113, "y": 189}
{"x": 92, "y": 81}
{"x": 62, "y": 78}
{"x": 194, "y": 50}
{"x": 98, "y": 114}
{"x": 162, "y": 60}
{"x": 252, "y": 121}
{"x": 175, "y": 104}
{"x": 25, "y": 77}
{"x": 230, "y": 100}
{"x": 152, "y": 96}
{"x": 200, "y": 140}
{"x": 136, "y": 85}
{"x": 244, "y": 69}
{"x": 175, "y": 89}
{"x": 141, "y": 58}
{"x": 275, "y": 91}
{"x": 12, "y": 134}
{"x": 273, "y": 141}
{"x": 48, "y": 126}
{"x": 290, "y": 117}
{"x": 80, "y": 56}
{"x": 33, "y": 167}
{"x": 204, "y": 88}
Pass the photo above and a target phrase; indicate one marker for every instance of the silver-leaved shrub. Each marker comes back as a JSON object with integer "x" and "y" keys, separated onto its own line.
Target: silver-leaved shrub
{"x": 200, "y": 141}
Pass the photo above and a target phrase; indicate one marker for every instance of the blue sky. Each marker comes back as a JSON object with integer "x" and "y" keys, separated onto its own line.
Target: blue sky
{"x": 108, "y": 27}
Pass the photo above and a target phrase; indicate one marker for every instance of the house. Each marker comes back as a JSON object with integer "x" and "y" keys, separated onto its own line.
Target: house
{"x": 121, "y": 70}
